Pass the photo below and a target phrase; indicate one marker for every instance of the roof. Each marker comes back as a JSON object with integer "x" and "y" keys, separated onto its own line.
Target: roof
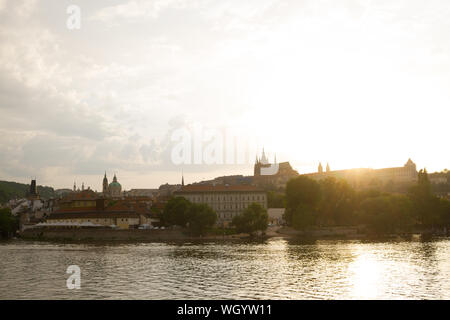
{"x": 92, "y": 215}
{"x": 218, "y": 188}
{"x": 82, "y": 195}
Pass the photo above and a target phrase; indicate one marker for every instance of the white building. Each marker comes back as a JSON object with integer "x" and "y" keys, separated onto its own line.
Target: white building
{"x": 227, "y": 201}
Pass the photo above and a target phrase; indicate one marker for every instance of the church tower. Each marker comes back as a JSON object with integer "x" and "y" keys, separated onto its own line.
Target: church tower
{"x": 264, "y": 160}
{"x": 105, "y": 184}
{"x": 328, "y": 167}
{"x": 320, "y": 169}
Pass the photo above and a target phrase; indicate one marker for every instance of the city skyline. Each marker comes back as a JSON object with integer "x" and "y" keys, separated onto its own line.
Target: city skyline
{"x": 358, "y": 85}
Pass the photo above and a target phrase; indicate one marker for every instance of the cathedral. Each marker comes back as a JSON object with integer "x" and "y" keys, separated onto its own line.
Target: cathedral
{"x": 112, "y": 190}
{"x": 278, "y": 179}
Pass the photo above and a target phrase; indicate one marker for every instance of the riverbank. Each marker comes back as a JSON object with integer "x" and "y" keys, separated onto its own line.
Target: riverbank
{"x": 94, "y": 235}
{"x": 167, "y": 235}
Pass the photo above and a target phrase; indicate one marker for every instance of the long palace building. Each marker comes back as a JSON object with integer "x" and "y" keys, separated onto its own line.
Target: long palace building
{"x": 366, "y": 176}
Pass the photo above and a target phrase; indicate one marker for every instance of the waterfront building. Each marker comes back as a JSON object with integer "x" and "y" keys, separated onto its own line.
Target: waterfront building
{"x": 87, "y": 207}
{"x": 226, "y": 200}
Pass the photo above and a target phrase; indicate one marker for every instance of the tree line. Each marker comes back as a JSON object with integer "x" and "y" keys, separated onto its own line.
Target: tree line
{"x": 333, "y": 202}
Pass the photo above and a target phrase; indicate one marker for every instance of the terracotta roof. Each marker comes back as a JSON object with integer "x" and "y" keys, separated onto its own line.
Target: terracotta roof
{"x": 218, "y": 188}
{"x": 80, "y": 209}
{"x": 82, "y": 195}
{"x": 93, "y": 215}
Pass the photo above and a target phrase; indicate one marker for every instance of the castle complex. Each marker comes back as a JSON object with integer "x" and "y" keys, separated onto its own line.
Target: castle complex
{"x": 364, "y": 177}
{"x": 275, "y": 175}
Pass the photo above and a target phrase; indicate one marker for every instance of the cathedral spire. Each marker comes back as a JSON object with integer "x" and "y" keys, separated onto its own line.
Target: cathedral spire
{"x": 182, "y": 178}
{"x": 263, "y": 157}
{"x": 320, "y": 169}
{"x": 328, "y": 167}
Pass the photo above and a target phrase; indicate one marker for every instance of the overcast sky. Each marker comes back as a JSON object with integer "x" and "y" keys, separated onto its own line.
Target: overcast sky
{"x": 357, "y": 83}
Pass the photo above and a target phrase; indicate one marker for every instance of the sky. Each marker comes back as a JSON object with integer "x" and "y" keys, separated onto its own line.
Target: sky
{"x": 356, "y": 83}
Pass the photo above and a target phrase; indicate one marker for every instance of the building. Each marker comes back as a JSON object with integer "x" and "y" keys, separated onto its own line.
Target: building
{"x": 276, "y": 216}
{"x": 33, "y": 192}
{"x": 87, "y": 207}
{"x": 274, "y": 175}
{"x": 366, "y": 177}
{"x": 166, "y": 190}
{"x": 112, "y": 190}
{"x": 151, "y": 193}
{"x": 230, "y": 180}
{"x": 226, "y": 200}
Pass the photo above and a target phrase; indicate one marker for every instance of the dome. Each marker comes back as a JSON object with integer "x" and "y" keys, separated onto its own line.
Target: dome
{"x": 115, "y": 185}
{"x": 115, "y": 188}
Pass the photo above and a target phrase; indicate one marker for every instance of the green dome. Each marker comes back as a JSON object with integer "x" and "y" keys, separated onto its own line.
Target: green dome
{"x": 115, "y": 184}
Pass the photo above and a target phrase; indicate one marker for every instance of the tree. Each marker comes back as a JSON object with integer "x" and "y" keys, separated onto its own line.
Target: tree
{"x": 176, "y": 211}
{"x": 253, "y": 219}
{"x": 386, "y": 213}
{"x": 8, "y": 223}
{"x": 200, "y": 217}
{"x": 426, "y": 205}
{"x": 302, "y": 197}
{"x": 276, "y": 199}
{"x": 337, "y": 204}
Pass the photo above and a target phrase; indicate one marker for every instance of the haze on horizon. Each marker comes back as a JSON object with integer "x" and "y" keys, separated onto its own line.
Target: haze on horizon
{"x": 357, "y": 83}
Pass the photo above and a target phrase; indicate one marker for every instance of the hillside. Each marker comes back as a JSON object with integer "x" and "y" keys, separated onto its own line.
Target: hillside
{"x": 10, "y": 190}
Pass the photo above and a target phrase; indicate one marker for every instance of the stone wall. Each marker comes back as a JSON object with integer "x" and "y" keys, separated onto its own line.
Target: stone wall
{"x": 103, "y": 234}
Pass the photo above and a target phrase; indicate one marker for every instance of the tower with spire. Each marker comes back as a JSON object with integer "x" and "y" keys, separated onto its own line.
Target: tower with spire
{"x": 328, "y": 167}
{"x": 262, "y": 162}
{"x": 182, "y": 178}
{"x": 320, "y": 169}
{"x": 105, "y": 185}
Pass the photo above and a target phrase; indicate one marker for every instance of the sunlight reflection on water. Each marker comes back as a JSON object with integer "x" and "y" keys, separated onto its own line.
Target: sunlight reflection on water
{"x": 274, "y": 269}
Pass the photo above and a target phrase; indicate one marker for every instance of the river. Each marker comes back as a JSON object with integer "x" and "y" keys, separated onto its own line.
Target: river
{"x": 273, "y": 269}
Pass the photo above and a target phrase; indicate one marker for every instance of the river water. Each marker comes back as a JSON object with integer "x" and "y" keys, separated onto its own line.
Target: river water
{"x": 273, "y": 269}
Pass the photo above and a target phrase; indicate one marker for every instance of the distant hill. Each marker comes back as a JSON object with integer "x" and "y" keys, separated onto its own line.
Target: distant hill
{"x": 10, "y": 190}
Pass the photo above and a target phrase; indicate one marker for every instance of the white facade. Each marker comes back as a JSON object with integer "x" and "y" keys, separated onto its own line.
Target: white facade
{"x": 225, "y": 201}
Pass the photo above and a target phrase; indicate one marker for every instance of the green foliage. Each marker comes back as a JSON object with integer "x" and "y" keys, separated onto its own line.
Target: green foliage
{"x": 337, "y": 204}
{"x": 253, "y": 219}
{"x": 276, "y": 199}
{"x": 200, "y": 217}
{"x": 303, "y": 216}
{"x": 426, "y": 206}
{"x": 175, "y": 211}
{"x": 181, "y": 212}
{"x": 302, "y": 197}
{"x": 11, "y": 190}
{"x": 8, "y": 223}
{"x": 386, "y": 213}
{"x": 333, "y": 202}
